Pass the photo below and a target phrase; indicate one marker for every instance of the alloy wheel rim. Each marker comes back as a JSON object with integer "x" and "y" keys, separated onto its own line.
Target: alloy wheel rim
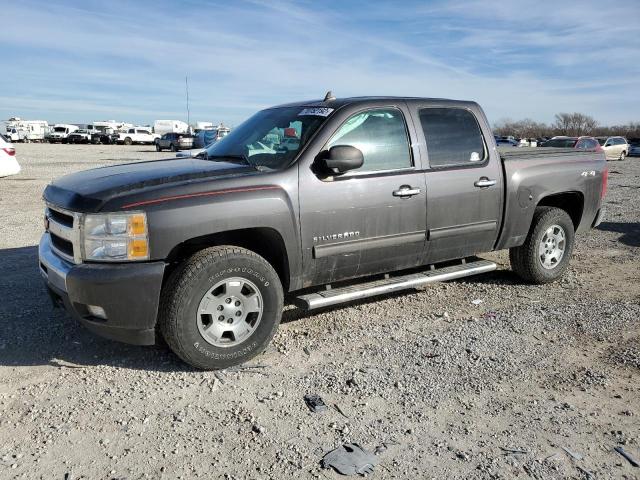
{"x": 229, "y": 312}
{"x": 552, "y": 247}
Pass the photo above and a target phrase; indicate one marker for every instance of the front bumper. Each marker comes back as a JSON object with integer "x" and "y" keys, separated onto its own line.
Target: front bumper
{"x": 128, "y": 293}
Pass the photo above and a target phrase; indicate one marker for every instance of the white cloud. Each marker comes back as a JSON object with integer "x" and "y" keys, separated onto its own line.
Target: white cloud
{"x": 131, "y": 57}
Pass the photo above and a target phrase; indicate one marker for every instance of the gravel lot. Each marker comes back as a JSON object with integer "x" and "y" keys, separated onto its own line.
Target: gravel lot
{"x": 451, "y": 389}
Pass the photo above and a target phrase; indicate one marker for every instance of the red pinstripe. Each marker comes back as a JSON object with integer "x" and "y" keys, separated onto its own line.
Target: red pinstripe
{"x": 199, "y": 194}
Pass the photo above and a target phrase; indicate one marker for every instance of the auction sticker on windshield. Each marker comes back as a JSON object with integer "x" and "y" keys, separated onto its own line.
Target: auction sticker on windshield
{"x": 317, "y": 111}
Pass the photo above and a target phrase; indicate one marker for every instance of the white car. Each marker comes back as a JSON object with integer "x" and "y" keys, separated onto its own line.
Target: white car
{"x": 8, "y": 163}
{"x": 615, "y": 148}
{"x": 138, "y": 135}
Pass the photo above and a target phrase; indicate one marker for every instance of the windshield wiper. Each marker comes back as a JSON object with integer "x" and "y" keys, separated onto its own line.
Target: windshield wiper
{"x": 231, "y": 157}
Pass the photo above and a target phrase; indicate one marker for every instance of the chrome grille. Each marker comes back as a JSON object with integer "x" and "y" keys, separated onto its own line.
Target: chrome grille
{"x": 64, "y": 228}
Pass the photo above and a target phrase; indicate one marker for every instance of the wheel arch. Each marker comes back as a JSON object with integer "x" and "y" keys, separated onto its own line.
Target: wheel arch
{"x": 265, "y": 241}
{"x": 570, "y": 202}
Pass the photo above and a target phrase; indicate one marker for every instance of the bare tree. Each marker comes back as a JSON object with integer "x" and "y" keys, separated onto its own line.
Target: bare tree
{"x": 574, "y": 124}
{"x": 571, "y": 124}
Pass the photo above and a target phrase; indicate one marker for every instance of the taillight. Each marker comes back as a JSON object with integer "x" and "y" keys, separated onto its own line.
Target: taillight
{"x": 605, "y": 179}
{"x": 10, "y": 151}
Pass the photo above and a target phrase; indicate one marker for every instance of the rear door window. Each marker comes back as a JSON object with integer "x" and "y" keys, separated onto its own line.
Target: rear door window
{"x": 453, "y": 137}
{"x": 381, "y": 136}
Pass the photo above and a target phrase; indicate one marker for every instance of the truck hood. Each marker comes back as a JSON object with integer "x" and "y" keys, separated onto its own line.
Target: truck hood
{"x": 87, "y": 191}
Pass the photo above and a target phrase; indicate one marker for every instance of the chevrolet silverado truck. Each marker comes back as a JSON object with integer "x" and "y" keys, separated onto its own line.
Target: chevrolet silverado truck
{"x": 379, "y": 195}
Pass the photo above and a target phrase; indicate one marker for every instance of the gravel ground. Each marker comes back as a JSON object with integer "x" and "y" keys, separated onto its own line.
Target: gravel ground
{"x": 446, "y": 388}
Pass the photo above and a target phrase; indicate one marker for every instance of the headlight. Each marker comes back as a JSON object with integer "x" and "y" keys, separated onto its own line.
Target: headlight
{"x": 115, "y": 237}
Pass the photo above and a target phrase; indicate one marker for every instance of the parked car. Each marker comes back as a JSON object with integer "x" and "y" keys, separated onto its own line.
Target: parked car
{"x": 137, "y": 135}
{"x": 82, "y": 135}
{"x": 580, "y": 143}
{"x": 8, "y": 163}
{"x": 615, "y": 148}
{"x": 634, "y": 147}
{"x": 106, "y": 137}
{"x": 174, "y": 142}
{"x": 506, "y": 142}
{"x": 204, "y": 249}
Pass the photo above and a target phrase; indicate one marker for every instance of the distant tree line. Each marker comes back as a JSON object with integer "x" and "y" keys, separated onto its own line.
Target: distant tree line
{"x": 570, "y": 124}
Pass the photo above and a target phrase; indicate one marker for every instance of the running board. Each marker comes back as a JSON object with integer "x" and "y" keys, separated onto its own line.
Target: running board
{"x": 335, "y": 296}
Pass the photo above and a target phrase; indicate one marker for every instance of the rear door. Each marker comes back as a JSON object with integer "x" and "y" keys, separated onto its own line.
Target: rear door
{"x": 368, "y": 220}
{"x": 464, "y": 181}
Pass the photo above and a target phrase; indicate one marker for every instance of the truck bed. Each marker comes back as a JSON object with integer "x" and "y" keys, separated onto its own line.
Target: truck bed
{"x": 534, "y": 173}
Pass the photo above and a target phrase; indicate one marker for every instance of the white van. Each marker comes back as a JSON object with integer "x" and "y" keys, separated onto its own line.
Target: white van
{"x": 60, "y": 132}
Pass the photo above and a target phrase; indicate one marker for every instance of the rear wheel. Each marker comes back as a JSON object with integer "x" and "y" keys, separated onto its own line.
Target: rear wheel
{"x": 173, "y": 148}
{"x": 623, "y": 155}
{"x": 158, "y": 149}
{"x": 546, "y": 252}
{"x": 221, "y": 307}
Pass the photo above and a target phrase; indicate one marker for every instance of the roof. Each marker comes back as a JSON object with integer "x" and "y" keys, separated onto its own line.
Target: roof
{"x": 340, "y": 102}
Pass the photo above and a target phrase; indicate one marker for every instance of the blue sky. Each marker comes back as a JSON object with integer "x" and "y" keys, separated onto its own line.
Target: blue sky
{"x": 127, "y": 60}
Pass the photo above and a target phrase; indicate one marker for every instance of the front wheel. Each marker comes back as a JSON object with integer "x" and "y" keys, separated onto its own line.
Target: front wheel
{"x": 221, "y": 307}
{"x": 158, "y": 149}
{"x": 128, "y": 141}
{"x": 546, "y": 252}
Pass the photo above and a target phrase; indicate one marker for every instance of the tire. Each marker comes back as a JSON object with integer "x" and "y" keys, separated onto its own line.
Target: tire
{"x": 200, "y": 285}
{"x": 623, "y": 155}
{"x": 527, "y": 260}
{"x": 173, "y": 148}
{"x": 158, "y": 149}
{"x": 128, "y": 141}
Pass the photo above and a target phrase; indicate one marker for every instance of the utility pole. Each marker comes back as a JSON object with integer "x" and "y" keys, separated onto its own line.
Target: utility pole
{"x": 186, "y": 82}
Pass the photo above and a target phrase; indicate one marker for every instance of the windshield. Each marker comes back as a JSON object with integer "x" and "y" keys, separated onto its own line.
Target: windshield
{"x": 271, "y": 138}
{"x": 60, "y": 129}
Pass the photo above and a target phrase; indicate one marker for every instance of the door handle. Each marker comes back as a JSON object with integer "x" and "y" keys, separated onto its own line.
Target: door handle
{"x": 484, "y": 182}
{"x": 406, "y": 191}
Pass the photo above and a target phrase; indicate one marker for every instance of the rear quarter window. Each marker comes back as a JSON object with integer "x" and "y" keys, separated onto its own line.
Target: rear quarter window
{"x": 453, "y": 137}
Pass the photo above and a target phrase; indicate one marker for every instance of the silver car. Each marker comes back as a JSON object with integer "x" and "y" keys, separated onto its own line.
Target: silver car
{"x": 615, "y": 148}
{"x": 634, "y": 147}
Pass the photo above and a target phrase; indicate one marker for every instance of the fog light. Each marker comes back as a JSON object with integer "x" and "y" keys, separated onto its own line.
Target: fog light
{"x": 97, "y": 311}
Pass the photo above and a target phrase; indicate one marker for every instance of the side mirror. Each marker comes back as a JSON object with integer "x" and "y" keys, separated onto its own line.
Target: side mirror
{"x": 340, "y": 159}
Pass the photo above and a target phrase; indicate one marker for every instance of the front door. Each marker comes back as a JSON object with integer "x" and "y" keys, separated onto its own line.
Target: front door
{"x": 368, "y": 220}
{"x": 464, "y": 184}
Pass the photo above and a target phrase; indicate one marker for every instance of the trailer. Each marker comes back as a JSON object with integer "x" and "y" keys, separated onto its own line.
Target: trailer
{"x": 170, "y": 126}
{"x": 18, "y": 130}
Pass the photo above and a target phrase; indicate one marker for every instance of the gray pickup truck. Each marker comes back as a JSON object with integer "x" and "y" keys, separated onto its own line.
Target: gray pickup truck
{"x": 385, "y": 193}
